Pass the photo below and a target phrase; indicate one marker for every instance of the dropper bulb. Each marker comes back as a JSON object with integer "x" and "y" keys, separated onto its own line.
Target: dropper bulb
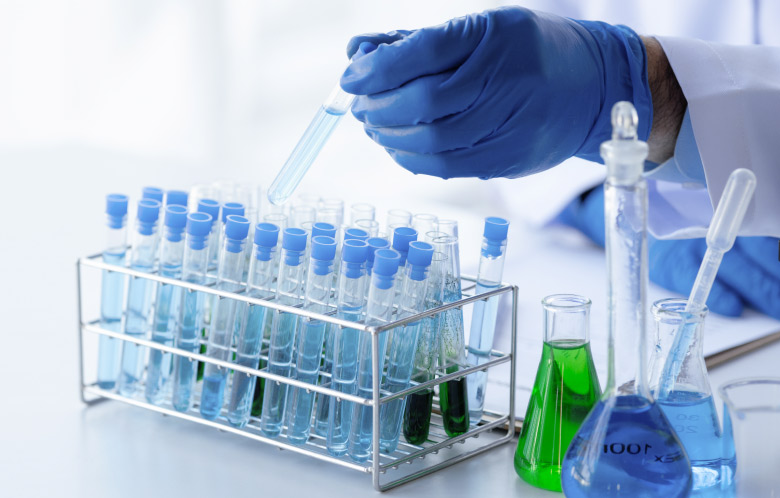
{"x": 624, "y": 121}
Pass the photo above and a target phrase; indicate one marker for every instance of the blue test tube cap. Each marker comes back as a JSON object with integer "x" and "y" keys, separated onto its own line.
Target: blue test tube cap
{"x": 198, "y": 229}
{"x": 152, "y": 193}
{"x": 175, "y": 222}
{"x": 386, "y": 263}
{"x": 374, "y": 244}
{"x": 266, "y": 238}
{"x": 236, "y": 230}
{"x": 176, "y": 198}
{"x": 495, "y": 234}
{"x": 322, "y": 228}
{"x": 116, "y": 209}
{"x": 210, "y": 207}
{"x": 419, "y": 259}
{"x": 353, "y": 255}
{"x": 147, "y": 215}
{"x": 293, "y": 243}
{"x": 355, "y": 234}
{"x": 401, "y": 238}
{"x": 323, "y": 250}
{"x": 229, "y": 208}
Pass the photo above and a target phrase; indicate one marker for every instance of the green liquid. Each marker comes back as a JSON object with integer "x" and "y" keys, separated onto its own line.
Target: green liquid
{"x": 417, "y": 416}
{"x": 454, "y": 401}
{"x": 201, "y": 365}
{"x": 565, "y": 390}
{"x": 257, "y": 397}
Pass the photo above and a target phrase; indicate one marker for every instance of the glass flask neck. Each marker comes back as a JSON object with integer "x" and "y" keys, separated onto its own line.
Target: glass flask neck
{"x": 566, "y": 319}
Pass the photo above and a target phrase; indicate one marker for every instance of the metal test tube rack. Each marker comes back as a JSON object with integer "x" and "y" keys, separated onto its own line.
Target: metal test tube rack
{"x": 440, "y": 448}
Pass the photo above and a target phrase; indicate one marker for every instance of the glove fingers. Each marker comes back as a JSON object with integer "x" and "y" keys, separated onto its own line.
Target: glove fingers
{"x": 757, "y": 287}
{"x": 425, "y": 51}
{"x": 674, "y": 265}
{"x": 422, "y": 100}
{"x": 376, "y": 39}
{"x": 763, "y": 251}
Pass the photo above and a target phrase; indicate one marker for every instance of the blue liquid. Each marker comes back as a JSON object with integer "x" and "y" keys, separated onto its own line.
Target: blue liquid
{"x": 323, "y": 401}
{"x": 629, "y": 450}
{"x": 184, "y": 370}
{"x": 111, "y": 300}
{"x": 300, "y": 403}
{"x": 212, "y": 395}
{"x": 249, "y": 347}
{"x": 695, "y": 421}
{"x": 280, "y": 358}
{"x": 344, "y": 379}
{"x": 139, "y": 303}
{"x": 306, "y": 151}
{"x": 483, "y": 328}
{"x": 400, "y": 364}
{"x": 158, "y": 371}
{"x": 361, "y": 429}
{"x": 220, "y": 342}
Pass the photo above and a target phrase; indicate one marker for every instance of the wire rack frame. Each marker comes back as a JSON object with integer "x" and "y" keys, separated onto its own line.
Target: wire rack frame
{"x": 379, "y": 464}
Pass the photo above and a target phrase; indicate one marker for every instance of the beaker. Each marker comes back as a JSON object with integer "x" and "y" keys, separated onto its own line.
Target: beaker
{"x": 751, "y": 418}
{"x": 686, "y": 400}
{"x": 565, "y": 390}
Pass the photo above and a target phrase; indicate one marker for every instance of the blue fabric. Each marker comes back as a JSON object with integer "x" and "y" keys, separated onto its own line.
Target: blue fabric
{"x": 503, "y": 93}
{"x": 749, "y": 274}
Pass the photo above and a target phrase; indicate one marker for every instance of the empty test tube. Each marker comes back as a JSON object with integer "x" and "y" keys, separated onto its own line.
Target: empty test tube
{"x": 229, "y": 272}
{"x": 311, "y": 334}
{"x": 334, "y": 416}
{"x": 139, "y": 294}
{"x": 187, "y": 334}
{"x": 112, "y": 290}
{"x": 167, "y": 304}
{"x": 379, "y": 310}
{"x": 403, "y": 345}
{"x": 483, "y": 321}
{"x": 396, "y": 218}
{"x": 370, "y": 226}
{"x": 301, "y": 214}
{"x": 289, "y": 292}
{"x": 424, "y": 222}
{"x": 361, "y": 211}
{"x": 253, "y": 321}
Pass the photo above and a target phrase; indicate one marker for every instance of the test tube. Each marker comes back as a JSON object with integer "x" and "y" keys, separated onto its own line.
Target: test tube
{"x": 370, "y": 226}
{"x": 330, "y": 215}
{"x": 112, "y": 290}
{"x": 397, "y": 218}
{"x": 309, "y": 145}
{"x": 278, "y": 219}
{"x": 139, "y": 294}
{"x": 307, "y": 199}
{"x": 188, "y": 328}
{"x": 289, "y": 291}
{"x": 167, "y": 302}
{"x": 379, "y": 310}
{"x": 229, "y": 273}
{"x": 211, "y": 208}
{"x": 311, "y": 335}
{"x": 253, "y": 321}
{"x": 374, "y": 244}
{"x": 424, "y": 222}
{"x": 361, "y": 211}
{"x": 302, "y": 214}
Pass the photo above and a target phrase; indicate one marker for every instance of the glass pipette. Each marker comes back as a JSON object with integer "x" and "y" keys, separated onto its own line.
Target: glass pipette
{"x": 720, "y": 239}
{"x": 309, "y": 146}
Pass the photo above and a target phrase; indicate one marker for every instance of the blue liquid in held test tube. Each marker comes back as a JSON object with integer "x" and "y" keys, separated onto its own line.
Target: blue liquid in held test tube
{"x": 167, "y": 304}
{"x": 112, "y": 291}
{"x": 229, "y": 272}
{"x": 139, "y": 294}
{"x": 311, "y": 334}
{"x": 289, "y": 291}
{"x": 188, "y": 327}
{"x": 483, "y": 321}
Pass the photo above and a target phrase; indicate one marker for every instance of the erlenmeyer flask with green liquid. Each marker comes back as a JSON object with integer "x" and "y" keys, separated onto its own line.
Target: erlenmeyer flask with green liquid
{"x": 565, "y": 390}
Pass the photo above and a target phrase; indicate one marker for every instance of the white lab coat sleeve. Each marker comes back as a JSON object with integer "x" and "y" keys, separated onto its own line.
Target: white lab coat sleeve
{"x": 733, "y": 95}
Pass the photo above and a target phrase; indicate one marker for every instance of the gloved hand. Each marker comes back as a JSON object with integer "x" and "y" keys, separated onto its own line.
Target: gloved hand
{"x": 504, "y": 93}
{"x": 749, "y": 273}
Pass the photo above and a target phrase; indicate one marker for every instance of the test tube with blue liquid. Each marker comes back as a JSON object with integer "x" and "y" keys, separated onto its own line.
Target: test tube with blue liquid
{"x": 311, "y": 334}
{"x": 229, "y": 272}
{"x": 139, "y": 294}
{"x": 379, "y": 311}
{"x": 112, "y": 291}
{"x": 483, "y": 321}
{"x": 402, "y": 348}
{"x": 187, "y": 334}
{"x": 289, "y": 292}
{"x": 351, "y": 291}
{"x": 167, "y": 304}
{"x": 254, "y": 321}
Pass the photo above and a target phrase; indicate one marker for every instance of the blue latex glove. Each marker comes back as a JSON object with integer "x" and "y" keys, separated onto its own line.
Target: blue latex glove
{"x": 504, "y": 93}
{"x": 749, "y": 273}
